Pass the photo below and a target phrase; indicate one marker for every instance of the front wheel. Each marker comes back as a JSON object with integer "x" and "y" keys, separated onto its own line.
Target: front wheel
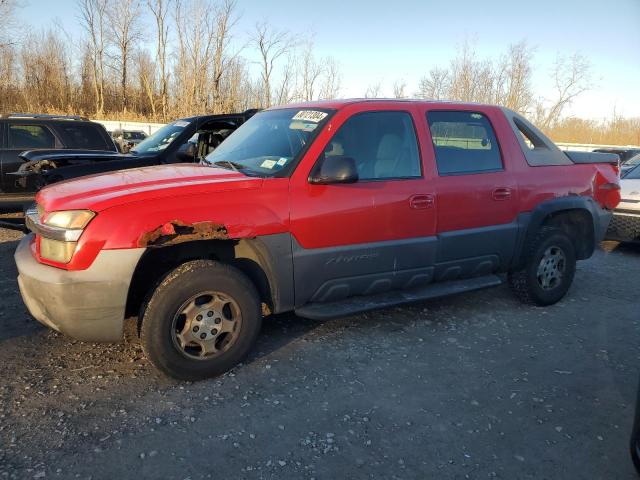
{"x": 550, "y": 266}
{"x": 202, "y": 319}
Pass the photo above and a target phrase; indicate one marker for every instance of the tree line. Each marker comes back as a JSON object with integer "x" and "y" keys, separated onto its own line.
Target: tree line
{"x": 156, "y": 60}
{"x": 195, "y": 64}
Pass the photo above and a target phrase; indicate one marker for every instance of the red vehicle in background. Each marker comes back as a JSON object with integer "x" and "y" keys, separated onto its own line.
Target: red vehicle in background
{"x": 324, "y": 209}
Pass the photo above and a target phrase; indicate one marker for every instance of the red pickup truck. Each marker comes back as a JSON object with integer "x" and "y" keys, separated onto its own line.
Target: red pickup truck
{"x": 324, "y": 209}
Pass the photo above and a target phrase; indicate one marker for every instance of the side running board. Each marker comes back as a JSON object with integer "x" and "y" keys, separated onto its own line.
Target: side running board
{"x": 349, "y": 306}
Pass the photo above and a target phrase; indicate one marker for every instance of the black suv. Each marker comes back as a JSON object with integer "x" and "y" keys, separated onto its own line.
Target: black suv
{"x": 182, "y": 141}
{"x": 45, "y": 133}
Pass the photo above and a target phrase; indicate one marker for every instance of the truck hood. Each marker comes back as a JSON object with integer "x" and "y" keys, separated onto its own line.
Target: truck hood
{"x": 102, "y": 191}
{"x": 85, "y": 155}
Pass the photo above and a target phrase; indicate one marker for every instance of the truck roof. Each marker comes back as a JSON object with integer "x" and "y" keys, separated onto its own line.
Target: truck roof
{"x": 340, "y": 103}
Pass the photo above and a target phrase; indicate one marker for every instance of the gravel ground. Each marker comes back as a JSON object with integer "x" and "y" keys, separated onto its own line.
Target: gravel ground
{"x": 473, "y": 386}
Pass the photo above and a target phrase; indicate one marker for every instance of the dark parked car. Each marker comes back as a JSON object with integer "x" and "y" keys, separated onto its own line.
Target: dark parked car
{"x": 624, "y": 153}
{"x": 127, "y": 139}
{"x": 20, "y": 132}
{"x": 185, "y": 140}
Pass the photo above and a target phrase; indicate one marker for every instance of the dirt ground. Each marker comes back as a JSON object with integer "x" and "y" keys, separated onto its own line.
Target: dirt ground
{"x": 473, "y": 386}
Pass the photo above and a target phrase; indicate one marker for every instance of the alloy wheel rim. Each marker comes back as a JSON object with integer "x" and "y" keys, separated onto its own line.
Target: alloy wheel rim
{"x": 206, "y": 325}
{"x": 551, "y": 268}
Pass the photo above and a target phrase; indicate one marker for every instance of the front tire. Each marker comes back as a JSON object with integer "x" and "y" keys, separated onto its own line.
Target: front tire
{"x": 550, "y": 266}
{"x": 201, "y": 320}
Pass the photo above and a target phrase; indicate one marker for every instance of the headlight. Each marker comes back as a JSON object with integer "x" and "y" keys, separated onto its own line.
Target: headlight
{"x": 71, "y": 219}
{"x": 59, "y": 232}
{"x": 57, "y": 251}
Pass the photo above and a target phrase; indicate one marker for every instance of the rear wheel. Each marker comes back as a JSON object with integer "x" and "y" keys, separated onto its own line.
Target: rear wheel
{"x": 550, "y": 266}
{"x": 202, "y": 319}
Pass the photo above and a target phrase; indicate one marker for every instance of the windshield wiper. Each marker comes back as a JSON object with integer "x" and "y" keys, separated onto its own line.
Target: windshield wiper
{"x": 234, "y": 165}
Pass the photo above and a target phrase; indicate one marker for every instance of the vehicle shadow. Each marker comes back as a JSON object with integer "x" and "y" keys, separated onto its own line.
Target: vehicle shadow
{"x": 610, "y": 246}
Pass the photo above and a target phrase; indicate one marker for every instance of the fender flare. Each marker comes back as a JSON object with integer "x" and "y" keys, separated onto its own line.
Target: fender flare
{"x": 534, "y": 220}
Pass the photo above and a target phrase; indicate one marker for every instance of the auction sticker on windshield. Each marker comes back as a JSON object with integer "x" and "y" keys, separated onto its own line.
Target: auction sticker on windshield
{"x": 268, "y": 164}
{"x": 310, "y": 116}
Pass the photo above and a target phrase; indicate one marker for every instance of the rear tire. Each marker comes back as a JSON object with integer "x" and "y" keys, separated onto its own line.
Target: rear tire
{"x": 201, "y": 320}
{"x": 550, "y": 265}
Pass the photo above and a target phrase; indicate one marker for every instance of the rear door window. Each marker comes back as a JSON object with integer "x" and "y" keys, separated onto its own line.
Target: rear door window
{"x": 83, "y": 136}
{"x": 30, "y": 136}
{"x": 464, "y": 143}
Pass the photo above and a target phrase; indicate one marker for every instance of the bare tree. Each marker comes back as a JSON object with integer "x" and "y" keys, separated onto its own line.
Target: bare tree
{"x": 204, "y": 34}
{"x": 464, "y": 68}
{"x": 399, "y": 89}
{"x": 285, "y": 91}
{"x": 330, "y": 86}
{"x": 145, "y": 71}
{"x": 8, "y": 10}
{"x": 571, "y": 77}
{"x": 435, "y": 86}
{"x": 505, "y": 82}
{"x": 124, "y": 30}
{"x": 93, "y": 18}
{"x": 46, "y": 72}
{"x": 8, "y": 67}
{"x": 374, "y": 90}
{"x": 271, "y": 44}
{"x": 160, "y": 9}
{"x": 311, "y": 73}
{"x": 512, "y": 78}
{"x": 225, "y": 20}
{"x": 195, "y": 34}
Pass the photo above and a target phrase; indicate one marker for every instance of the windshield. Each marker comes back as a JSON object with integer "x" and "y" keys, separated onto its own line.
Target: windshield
{"x": 269, "y": 141}
{"x": 632, "y": 162}
{"x": 633, "y": 174}
{"x": 133, "y": 135}
{"x": 161, "y": 139}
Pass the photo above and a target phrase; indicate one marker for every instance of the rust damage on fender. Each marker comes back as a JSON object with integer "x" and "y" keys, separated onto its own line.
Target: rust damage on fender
{"x": 176, "y": 231}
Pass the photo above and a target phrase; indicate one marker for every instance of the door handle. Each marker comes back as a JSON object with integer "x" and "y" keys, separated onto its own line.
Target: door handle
{"x": 422, "y": 201}
{"x": 501, "y": 193}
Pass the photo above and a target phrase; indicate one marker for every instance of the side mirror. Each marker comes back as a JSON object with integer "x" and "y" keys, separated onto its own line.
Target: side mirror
{"x": 334, "y": 169}
{"x": 187, "y": 153}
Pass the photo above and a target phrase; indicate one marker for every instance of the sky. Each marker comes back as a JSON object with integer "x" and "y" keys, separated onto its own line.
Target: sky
{"x": 401, "y": 40}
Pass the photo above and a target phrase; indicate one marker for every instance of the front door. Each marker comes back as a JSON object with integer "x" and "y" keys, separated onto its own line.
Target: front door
{"x": 370, "y": 236}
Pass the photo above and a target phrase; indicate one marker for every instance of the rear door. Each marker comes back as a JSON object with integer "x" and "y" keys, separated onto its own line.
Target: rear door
{"x": 476, "y": 192}
{"x": 83, "y": 136}
{"x": 373, "y": 235}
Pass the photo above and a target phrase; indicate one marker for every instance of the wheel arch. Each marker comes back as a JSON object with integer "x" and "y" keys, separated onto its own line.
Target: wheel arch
{"x": 266, "y": 261}
{"x": 577, "y": 216}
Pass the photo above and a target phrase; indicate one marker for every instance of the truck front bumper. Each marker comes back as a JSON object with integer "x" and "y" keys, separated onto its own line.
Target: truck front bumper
{"x": 625, "y": 226}
{"x": 88, "y": 305}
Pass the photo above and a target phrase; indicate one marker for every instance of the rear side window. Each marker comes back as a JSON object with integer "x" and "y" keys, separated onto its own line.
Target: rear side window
{"x": 530, "y": 139}
{"x": 464, "y": 143}
{"x": 382, "y": 144}
{"x": 83, "y": 136}
{"x": 30, "y": 136}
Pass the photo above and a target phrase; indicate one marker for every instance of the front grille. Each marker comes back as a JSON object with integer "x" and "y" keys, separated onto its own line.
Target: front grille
{"x": 625, "y": 227}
